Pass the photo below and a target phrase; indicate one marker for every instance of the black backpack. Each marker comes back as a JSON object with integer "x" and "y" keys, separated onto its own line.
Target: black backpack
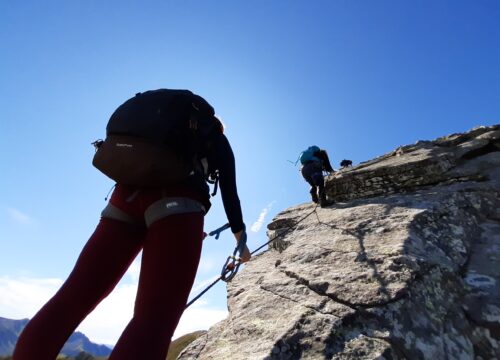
{"x": 156, "y": 138}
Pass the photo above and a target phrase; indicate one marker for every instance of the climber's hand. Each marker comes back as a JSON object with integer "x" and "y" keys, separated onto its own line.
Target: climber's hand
{"x": 245, "y": 256}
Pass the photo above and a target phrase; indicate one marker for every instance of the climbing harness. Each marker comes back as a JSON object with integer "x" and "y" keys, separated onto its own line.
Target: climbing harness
{"x": 232, "y": 264}
{"x": 171, "y": 206}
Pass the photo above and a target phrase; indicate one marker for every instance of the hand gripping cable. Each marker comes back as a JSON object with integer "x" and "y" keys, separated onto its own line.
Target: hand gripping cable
{"x": 233, "y": 263}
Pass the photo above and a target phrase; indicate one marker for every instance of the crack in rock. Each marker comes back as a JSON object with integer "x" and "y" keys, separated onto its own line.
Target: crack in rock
{"x": 354, "y": 306}
{"x": 298, "y": 302}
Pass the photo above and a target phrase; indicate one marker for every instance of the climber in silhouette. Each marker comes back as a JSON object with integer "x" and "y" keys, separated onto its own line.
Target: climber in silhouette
{"x": 314, "y": 161}
{"x": 159, "y": 213}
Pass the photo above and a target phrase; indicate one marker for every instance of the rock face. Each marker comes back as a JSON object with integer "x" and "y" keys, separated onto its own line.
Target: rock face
{"x": 404, "y": 265}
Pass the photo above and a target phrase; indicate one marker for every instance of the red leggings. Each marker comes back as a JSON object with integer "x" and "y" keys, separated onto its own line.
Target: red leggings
{"x": 171, "y": 252}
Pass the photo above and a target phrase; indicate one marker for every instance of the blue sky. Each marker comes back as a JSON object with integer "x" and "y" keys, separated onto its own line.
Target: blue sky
{"x": 357, "y": 78}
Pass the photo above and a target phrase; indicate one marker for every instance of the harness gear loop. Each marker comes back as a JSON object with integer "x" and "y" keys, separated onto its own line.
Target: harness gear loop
{"x": 213, "y": 178}
{"x": 216, "y": 186}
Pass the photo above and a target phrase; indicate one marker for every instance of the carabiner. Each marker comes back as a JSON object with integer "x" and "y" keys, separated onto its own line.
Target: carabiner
{"x": 233, "y": 262}
{"x": 230, "y": 268}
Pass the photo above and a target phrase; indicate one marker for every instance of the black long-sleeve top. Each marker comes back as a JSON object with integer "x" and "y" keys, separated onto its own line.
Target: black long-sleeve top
{"x": 220, "y": 156}
{"x": 223, "y": 160}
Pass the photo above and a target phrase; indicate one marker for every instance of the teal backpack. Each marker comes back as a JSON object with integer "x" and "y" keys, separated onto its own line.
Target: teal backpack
{"x": 308, "y": 155}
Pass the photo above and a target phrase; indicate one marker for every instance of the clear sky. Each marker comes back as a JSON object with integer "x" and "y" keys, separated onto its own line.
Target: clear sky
{"x": 358, "y": 78}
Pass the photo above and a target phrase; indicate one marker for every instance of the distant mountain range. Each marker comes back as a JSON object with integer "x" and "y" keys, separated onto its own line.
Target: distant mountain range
{"x": 78, "y": 342}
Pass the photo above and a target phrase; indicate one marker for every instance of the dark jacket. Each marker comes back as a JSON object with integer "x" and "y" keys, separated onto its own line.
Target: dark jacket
{"x": 219, "y": 156}
{"x": 223, "y": 160}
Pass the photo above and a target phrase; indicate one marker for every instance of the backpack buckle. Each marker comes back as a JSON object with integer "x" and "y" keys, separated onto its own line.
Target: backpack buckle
{"x": 97, "y": 144}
